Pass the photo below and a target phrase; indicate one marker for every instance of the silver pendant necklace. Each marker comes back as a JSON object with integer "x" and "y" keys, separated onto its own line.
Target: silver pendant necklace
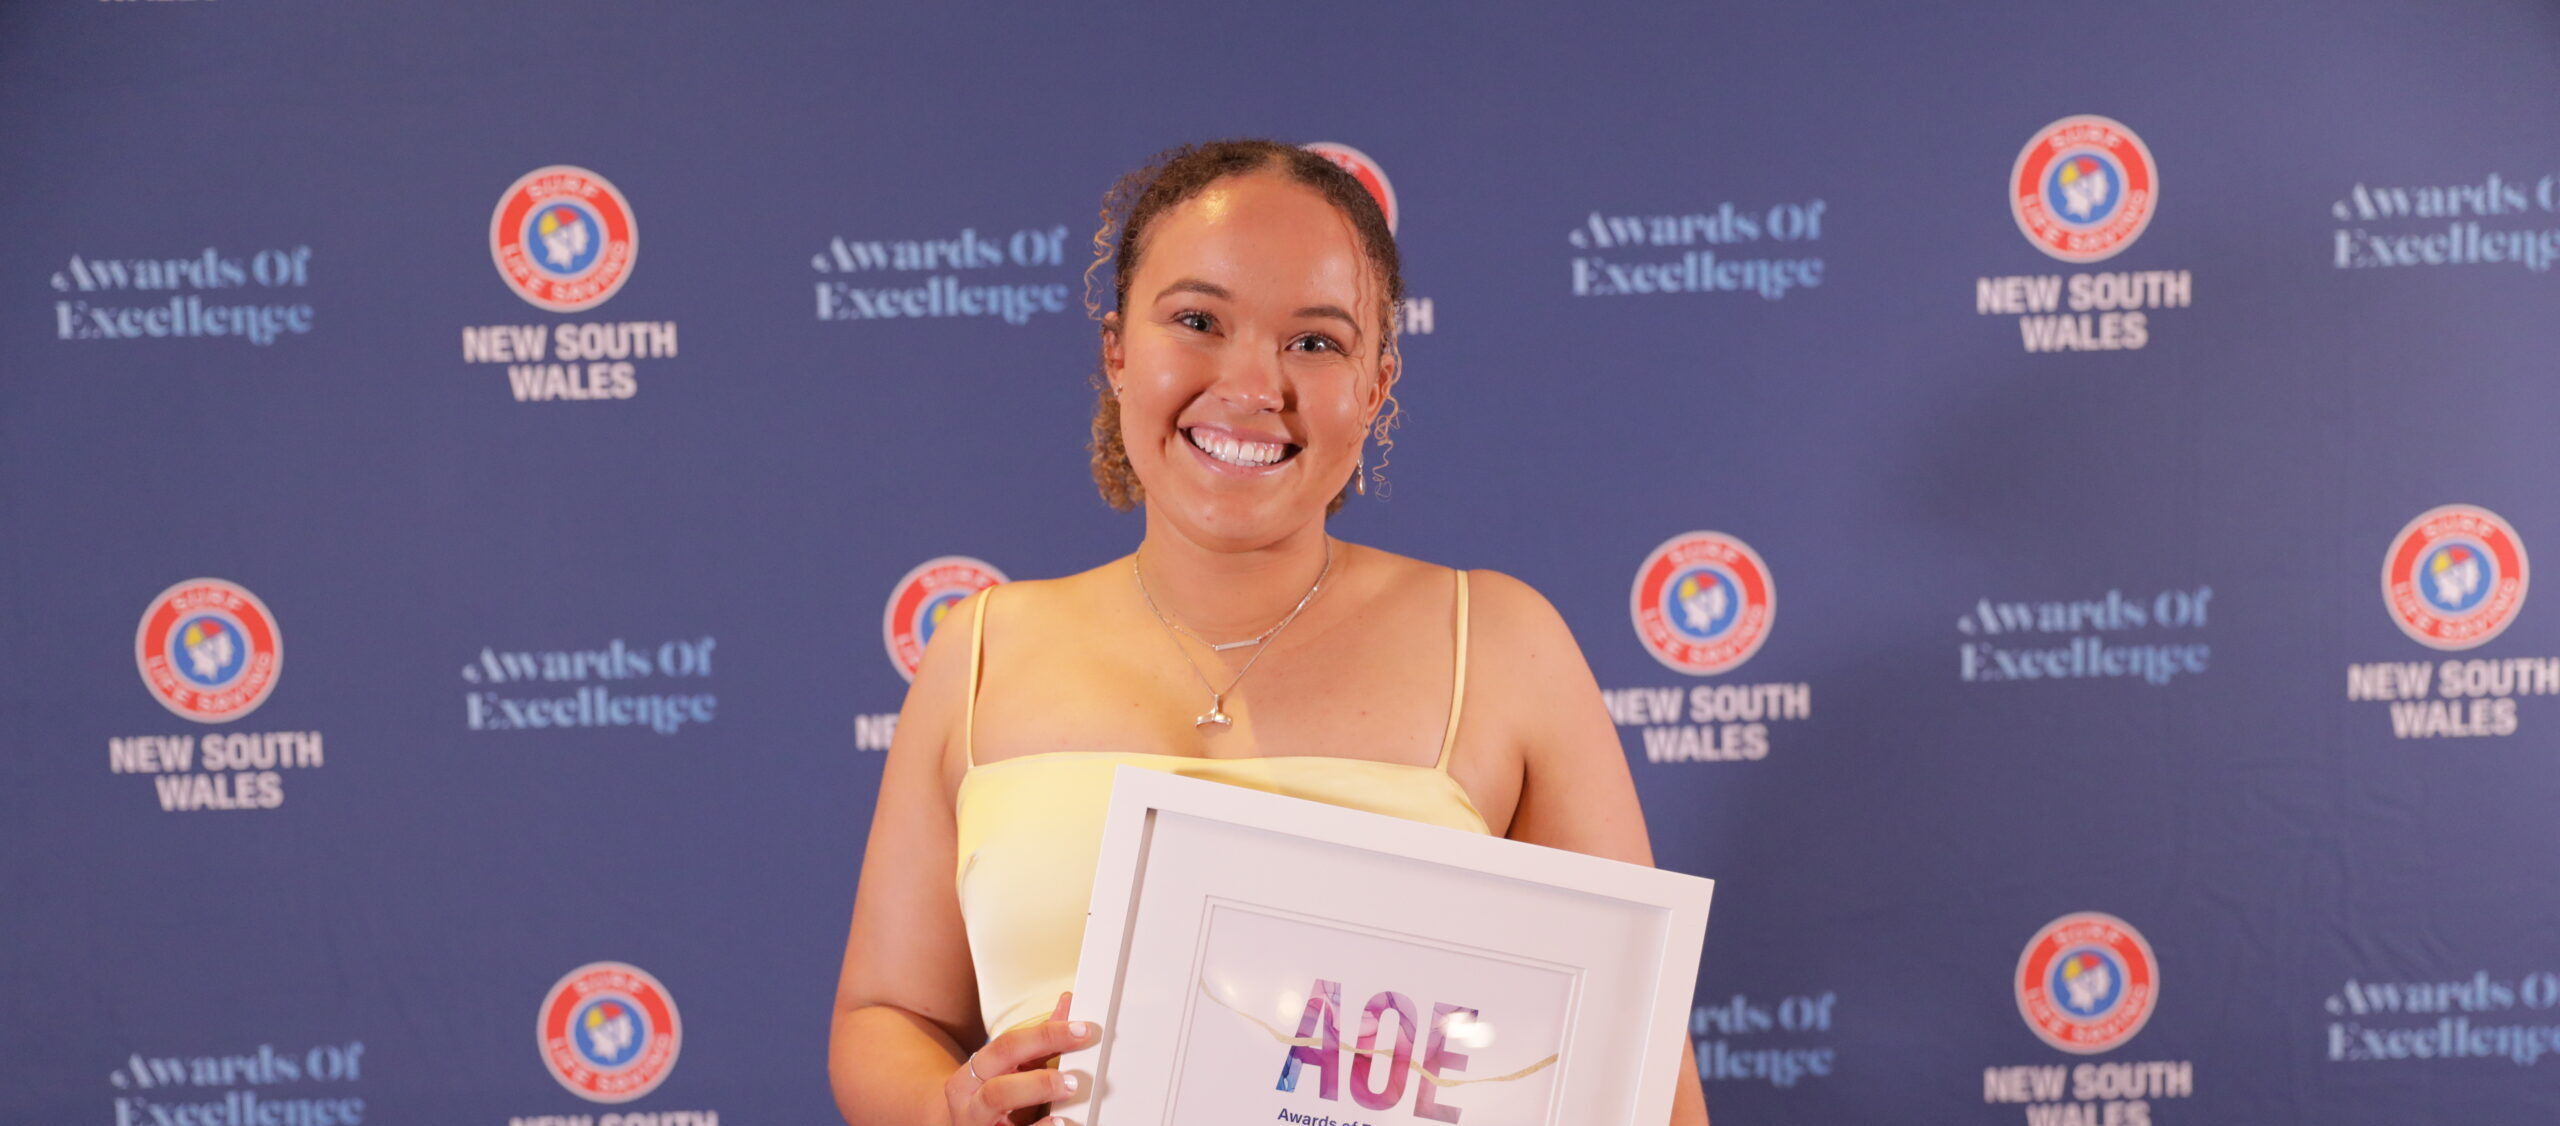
{"x": 1216, "y": 717}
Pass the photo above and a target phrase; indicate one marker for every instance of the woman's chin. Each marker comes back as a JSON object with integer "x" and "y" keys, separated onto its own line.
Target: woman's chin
{"x": 1237, "y": 523}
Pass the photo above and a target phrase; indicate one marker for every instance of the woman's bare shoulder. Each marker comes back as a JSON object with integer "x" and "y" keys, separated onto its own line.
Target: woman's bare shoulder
{"x": 1388, "y": 571}
{"x": 1039, "y": 602}
{"x": 1521, "y": 642}
{"x": 1508, "y": 603}
{"x": 1500, "y": 606}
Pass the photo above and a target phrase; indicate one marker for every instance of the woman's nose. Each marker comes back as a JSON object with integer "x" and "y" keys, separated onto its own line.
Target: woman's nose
{"x": 1251, "y": 380}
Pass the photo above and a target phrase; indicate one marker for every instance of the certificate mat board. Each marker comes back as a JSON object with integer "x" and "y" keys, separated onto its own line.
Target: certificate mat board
{"x": 1254, "y": 958}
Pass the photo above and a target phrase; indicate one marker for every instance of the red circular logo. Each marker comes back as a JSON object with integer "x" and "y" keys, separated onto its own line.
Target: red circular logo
{"x": 563, "y": 238}
{"x": 2087, "y": 982}
{"x": 208, "y": 650}
{"x": 609, "y": 1032}
{"x": 2455, "y": 577}
{"x": 1702, "y": 603}
{"x": 1366, "y": 171}
{"x": 919, "y": 601}
{"x": 2083, "y": 188}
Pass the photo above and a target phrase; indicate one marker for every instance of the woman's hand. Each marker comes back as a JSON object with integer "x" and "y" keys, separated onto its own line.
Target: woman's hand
{"x": 1014, "y": 1072}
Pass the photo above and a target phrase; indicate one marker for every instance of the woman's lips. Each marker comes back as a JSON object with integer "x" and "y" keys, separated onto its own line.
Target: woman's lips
{"x": 1229, "y": 440}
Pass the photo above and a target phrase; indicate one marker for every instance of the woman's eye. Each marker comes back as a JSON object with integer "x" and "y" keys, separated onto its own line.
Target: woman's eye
{"x": 1316, "y": 344}
{"x": 1196, "y": 322}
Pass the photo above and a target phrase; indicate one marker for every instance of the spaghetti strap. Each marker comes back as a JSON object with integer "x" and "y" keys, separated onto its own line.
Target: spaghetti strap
{"x": 1458, "y": 687}
{"x": 977, "y": 651}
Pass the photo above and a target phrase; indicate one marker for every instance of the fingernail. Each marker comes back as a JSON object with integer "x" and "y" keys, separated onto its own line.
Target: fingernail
{"x": 1074, "y": 1082}
{"x": 1079, "y": 1029}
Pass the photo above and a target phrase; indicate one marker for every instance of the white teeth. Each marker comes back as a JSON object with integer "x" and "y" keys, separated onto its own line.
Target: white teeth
{"x": 1252, "y": 455}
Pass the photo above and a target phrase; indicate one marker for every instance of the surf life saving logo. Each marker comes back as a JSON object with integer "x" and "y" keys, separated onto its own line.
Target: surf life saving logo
{"x": 1702, "y": 603}
{"x": 2455, "y": 577}
{"x": 2087, "y": 982}
{"x": 208, "y": 650}
{"x": 1366, "y": 171}
{"x": 921, "y": 599}
{"x": 609, "y": 1032}
{"x": 2083, "y": 188}
{"x": 563, "y": 238}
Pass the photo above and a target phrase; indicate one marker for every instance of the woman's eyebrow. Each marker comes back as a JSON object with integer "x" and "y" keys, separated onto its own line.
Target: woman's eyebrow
{"x": 1334, "y": 311}
{"x": 1195, "y": 285}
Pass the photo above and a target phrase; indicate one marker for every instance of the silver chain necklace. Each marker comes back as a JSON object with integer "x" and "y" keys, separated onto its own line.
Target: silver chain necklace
{"x": 1216, "y": 716}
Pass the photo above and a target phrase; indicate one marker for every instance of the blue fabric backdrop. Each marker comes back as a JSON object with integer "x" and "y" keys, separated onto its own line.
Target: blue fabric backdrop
{"x": 499, "y": 671}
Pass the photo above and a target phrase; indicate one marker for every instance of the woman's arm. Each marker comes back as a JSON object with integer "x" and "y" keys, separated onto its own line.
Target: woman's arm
{"x": 906, "y": 1002}
{"x": 907, "y": 999}
{"x": 1575, "y": 791}
{"x": 906, "y": 1011}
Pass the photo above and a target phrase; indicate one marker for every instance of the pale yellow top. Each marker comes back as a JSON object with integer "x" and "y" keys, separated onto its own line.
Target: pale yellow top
{"x": 1030, "y": 828}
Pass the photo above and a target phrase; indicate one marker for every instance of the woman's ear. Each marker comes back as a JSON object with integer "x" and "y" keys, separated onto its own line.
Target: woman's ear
{"x": 1114, "y": 354}
{"x": 1377, "y": 393}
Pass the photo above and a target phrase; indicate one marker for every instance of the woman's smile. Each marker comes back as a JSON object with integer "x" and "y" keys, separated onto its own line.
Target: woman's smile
{"x": 1235, "y": 453}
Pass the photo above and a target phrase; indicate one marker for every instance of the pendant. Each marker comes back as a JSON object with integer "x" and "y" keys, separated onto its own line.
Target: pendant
{"x": 1217, "y": 716}
{"x": 1250, "y": 641}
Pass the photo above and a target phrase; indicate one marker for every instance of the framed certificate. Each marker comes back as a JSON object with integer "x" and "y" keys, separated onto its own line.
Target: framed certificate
{"x": 1262, "y": 959}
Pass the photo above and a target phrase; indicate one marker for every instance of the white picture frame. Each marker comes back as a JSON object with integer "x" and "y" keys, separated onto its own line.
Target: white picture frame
{"x": 1477, "y": 980}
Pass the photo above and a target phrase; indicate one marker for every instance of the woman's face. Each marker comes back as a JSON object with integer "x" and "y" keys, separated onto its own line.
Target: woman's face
{"x": 1246, "y": 360}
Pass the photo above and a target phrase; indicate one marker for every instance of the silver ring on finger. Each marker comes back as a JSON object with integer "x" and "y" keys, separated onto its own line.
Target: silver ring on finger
{"x": 971, "y": 1064}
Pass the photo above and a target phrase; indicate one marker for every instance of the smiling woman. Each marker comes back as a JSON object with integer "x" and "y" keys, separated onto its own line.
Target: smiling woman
{"x": 1133, "y": 209}
{"x": 1248, "y": 360}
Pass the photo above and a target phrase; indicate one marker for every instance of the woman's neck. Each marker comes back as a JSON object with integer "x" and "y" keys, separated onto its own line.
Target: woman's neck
{"x": 1229, "y": 595}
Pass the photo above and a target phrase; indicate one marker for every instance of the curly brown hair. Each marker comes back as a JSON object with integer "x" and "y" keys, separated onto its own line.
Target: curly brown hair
{"x": 1175, "y": 176}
